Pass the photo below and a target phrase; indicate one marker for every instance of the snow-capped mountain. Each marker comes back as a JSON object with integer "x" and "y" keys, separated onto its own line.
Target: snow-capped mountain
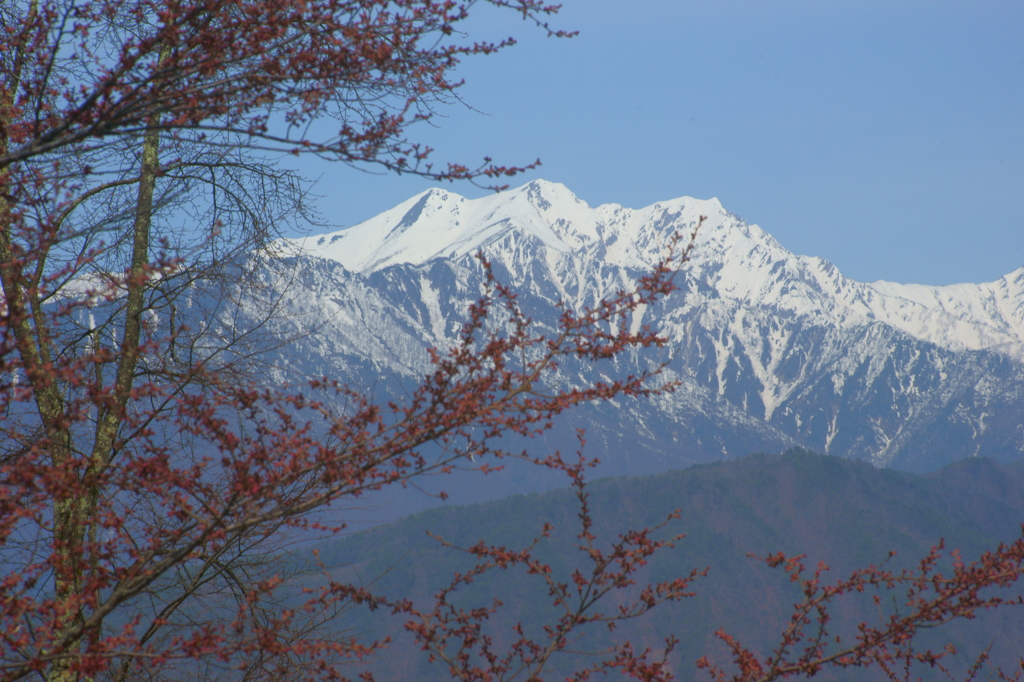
{"x": 773, "y": 349}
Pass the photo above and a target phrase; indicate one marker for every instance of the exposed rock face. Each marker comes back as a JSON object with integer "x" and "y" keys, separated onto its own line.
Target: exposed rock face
{"x": 774, "y": 350}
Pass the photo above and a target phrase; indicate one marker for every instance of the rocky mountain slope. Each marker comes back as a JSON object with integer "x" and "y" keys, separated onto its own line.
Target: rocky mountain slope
{"x": 774, "y": 350}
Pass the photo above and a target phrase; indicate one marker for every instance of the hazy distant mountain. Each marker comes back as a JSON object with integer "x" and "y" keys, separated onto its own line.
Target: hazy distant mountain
{"x": 774, "y": 350}
{"x": 847, "y": 514}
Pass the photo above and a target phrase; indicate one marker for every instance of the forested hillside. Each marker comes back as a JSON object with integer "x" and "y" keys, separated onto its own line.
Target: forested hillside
{"x": 845, "y": 513}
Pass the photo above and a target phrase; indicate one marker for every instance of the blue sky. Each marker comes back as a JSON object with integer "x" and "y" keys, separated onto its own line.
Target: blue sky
{"x": 887, "y": 137}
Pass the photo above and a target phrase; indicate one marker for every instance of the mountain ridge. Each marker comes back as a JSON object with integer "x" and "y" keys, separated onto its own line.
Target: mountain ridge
{"x": 771, "y": 350}
{"x": 842, "y": 513}
{"x": 754, "y": 266}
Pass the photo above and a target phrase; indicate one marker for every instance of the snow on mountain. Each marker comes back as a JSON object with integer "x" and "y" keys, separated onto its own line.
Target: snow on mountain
{"x": 738, "y": 260}
{"x": 771, "y": 349}
{"x": 441, "y": 224}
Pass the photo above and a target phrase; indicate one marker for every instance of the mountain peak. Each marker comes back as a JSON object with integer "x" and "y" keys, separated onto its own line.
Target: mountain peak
{"x": 769, "y": 344}
{"x": 546, "y": 195}
{"x": 738, "y": 260}
{"x": 438, "y": 223}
